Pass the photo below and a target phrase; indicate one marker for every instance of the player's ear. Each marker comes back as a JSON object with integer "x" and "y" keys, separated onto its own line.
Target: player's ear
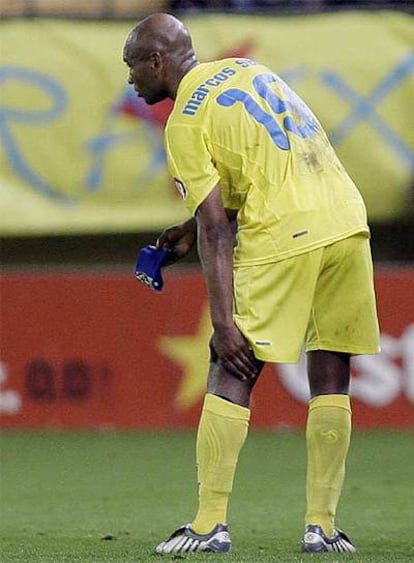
{"x": 156, "y": 60}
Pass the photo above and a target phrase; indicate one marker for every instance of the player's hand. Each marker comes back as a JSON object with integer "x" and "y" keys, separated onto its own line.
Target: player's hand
{"x": 234, "y": 353}
{"x": 179, "y": 238}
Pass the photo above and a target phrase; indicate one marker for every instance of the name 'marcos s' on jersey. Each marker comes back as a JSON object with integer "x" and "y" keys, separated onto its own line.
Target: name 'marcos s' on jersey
{"x": 237, "y": 124}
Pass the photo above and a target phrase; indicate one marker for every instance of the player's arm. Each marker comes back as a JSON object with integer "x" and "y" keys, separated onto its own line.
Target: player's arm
{"x": 191, "y": 166}
{"x": 179, "y": 238}
{"x": 215, "y": 245}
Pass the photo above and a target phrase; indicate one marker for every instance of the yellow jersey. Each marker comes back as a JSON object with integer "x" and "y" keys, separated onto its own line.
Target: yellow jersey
{"x": 237, "y": 124}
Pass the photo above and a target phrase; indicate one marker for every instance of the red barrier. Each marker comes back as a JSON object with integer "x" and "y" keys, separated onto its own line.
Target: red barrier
{"x": 98, "y": 350}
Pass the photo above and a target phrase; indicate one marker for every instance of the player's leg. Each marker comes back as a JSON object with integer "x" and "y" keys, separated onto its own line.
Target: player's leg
{"x": 221, "y": 434}
{"x": 343, "y": 322}
{"x": 328, "y": 372}
{"x": 328, "y": 434}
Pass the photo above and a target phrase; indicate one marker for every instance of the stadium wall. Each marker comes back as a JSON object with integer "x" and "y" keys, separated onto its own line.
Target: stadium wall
{"x": 97, "y": 350}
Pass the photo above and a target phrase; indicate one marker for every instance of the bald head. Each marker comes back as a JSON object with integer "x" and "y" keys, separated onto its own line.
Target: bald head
{"x": 161, "y": 33}
{"x": 158, "y": 52}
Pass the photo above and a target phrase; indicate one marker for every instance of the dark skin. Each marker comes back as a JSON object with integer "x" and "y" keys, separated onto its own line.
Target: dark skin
{"x": 158, "y": 53}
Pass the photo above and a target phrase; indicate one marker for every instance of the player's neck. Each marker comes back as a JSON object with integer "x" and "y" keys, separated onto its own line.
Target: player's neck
{"x": 185, "y": 67}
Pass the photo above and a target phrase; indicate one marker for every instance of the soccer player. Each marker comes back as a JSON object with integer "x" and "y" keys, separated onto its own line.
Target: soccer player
{"x": 250, "y": 159}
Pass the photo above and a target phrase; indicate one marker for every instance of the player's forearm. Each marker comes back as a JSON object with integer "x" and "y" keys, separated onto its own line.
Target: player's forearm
{"x": 215, "y": 244}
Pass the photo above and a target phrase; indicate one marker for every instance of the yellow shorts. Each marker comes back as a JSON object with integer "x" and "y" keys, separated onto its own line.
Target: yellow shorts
{"x": 324, "y": 298}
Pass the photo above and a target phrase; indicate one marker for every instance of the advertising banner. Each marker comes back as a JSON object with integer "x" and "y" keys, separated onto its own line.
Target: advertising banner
{"x": 98, "y": 350}
{"x": 80, "y": 153}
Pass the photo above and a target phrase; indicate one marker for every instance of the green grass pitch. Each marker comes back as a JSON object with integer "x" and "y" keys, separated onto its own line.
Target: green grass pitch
{"x": 61, "y": 494}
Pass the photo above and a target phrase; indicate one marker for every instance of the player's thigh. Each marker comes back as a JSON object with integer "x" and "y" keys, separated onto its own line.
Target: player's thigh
{"x": 343, "y": 316}
{"x": 272, "y": 304}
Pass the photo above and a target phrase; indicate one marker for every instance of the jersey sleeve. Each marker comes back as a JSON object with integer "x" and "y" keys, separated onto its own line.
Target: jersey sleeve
{"x": 190, "y": 163}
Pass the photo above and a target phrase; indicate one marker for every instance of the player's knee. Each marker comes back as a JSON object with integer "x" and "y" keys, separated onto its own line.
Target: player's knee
{"x": 223, "y": 384}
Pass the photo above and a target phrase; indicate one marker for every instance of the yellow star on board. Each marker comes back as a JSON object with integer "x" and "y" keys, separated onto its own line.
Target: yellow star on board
{"x": 192, "y": 354}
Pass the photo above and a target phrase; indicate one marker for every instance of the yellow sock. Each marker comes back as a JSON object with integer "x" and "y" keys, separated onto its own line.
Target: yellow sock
{"x": 221, "y": 434}
{"x": 328, "y": 434}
